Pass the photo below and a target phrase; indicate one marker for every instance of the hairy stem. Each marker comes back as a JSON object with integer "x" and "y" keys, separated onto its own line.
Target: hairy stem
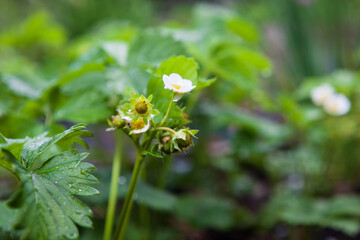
{"x": 168, "y": 110}
{"x": 113, "y": 187}
{"x": 126, "y": 209}
{"x": 166, "y": 129}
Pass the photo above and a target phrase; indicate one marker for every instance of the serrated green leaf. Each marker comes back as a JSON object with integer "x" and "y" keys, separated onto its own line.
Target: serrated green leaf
{"x": 37, "y": 146}
{"x": 46, "y": 194}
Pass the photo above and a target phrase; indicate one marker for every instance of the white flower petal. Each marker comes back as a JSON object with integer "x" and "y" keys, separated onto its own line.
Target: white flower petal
{"x": 142, "y": 130}
{"x": 186, "y": 82}
{"x": 337, "y": 105}
{"x": 127, "y": 118}
{"x": 177, "y": 84}
{"x": 175, "y": 77}
{"x": 320, "y": 94}
{"x": 186, "y": 89}
{"x": 166, "y": 80}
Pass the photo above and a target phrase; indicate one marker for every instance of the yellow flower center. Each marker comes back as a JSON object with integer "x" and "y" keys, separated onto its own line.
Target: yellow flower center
{"x": 176, "y": 86}
{"x": 141, "y": 107}
{"x": 138, "y": 124}
{"x": 333, "y": 108}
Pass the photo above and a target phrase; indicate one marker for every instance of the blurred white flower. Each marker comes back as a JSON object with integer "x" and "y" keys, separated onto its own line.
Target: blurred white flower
{"x": 320, "y": 94}
{"x": 337, "y": 104}
{"x": 175, "y": 83}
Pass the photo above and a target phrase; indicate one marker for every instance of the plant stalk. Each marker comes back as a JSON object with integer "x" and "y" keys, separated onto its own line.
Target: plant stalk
{"x": 126, "y": 209}
{"x": 168, "y": 111}
{"x": 167, "y": 129}
{"x": 113, "y": 187}
{"x": 165, "y": 172}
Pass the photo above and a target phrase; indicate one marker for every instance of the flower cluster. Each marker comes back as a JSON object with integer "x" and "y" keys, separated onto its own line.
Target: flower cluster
{"x": 136, "y": 117}
{"x": 334, "y": 103}
{"x": 176, "y": 141}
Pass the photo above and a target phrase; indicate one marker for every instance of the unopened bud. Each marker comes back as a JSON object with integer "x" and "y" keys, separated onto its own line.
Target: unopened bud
{"x": 141, "y": 107}
{"x": 184, "y": 143}
{"x": 165, "y": 145}
{"x": 118, "y": 121}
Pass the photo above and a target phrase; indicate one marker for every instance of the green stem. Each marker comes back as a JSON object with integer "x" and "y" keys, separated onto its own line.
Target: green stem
{"x": 144, "y": 215}
{"x": 125, "y": 212}
{"x": 165, "y": 172}
{"x": 145, "y": 222}
{"x": 166, "y": 129}
{"x": 113, "y": 187}
{"x": 168, "y": 110}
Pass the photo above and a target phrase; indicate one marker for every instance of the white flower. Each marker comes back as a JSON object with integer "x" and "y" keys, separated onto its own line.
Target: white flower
{"x": 143, "y": 129}
{"x": 337, "y": 104}
{"x": 175, "y": 83}
{"x": 320, "y": 94}
{"x": 137, "y": 126}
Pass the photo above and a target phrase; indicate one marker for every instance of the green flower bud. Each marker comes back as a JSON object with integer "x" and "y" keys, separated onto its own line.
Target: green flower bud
{"x": 184, "y": 143}
{"x": 118, "y": 122}
{"x": 141, "y": 107}
{"x": 183, "y": 139}
{"x": 166, "y": 145}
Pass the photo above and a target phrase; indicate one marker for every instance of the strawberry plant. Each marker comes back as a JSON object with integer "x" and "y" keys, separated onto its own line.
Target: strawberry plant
{"x": 155, "y": 120}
